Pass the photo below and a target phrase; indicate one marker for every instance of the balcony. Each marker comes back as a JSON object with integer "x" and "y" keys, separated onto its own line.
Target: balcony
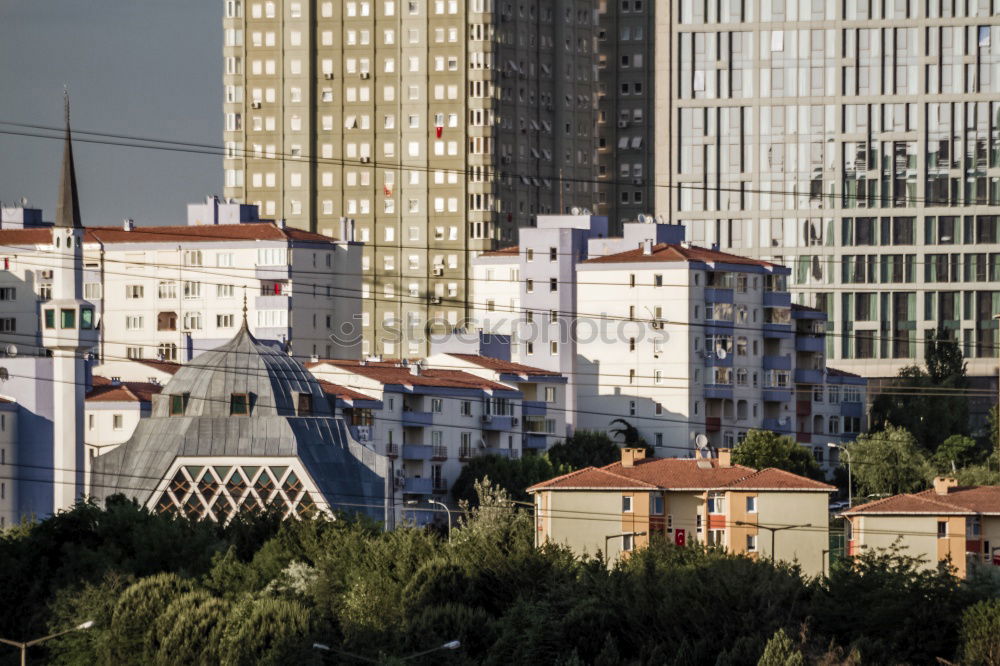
{"x": 713, "y": 424}
{"x": 809, "y": 343}
{"x": 781, "y": 299}
{"x": 282, "y": 272}
{"x": 803, "y": 437}
{"x": 776, "y": 394}
{"x": 778, "y": 362}
{"x": 807, "y": 376}
{"x": 534, "y": 407}
{"x": 719, "y": 391}
{"x": 512, "y": 454}
{"x": 415, "y": 486}
{"x": 779, "y": 331}
{"x": 803, "y": 408}
{"x": 717, "y": 295}
{"x": 413, "y": 419}
{"x": 499, "y": 423}
{"x": 391, "y": 450}
{"x": 439, "y": 452}
{"x": 535, "y": 441}
{"x": 855, "y": 409}
{"x": 417, "y": 452}
{"x": 775, "y": 425}
{"x": 439, "y": 485}
{"x": 712, "y": 361}
{"x": 273, "y": 302}
{"x": 466, "y": 453}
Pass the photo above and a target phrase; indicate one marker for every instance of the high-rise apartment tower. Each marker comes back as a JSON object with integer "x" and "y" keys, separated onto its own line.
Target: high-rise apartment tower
{"x": 430, "y": 127}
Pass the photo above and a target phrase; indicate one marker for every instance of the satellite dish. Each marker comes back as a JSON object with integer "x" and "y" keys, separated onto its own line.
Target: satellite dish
{"x": 574, "y": 210}
{"x": 701, "y": 440}
{"x": 721, "y": 353}
{"x": 641, "y": 218}
{"x": 783, "y": 420}
{"x": 10, "y": 350}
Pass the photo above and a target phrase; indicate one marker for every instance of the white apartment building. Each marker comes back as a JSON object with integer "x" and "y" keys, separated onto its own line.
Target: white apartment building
{"x": 8, "y": 462}
{"x": 112, "y": 410}
{"x": 430, "y": 421}
{"x": 677, "y": 340}
{"x": 172, "y": 292}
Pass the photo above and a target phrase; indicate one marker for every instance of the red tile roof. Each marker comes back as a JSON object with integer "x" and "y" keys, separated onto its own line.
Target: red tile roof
{"x": 502, "y": 252}
{"x": 104, "y": 390}
{"x": 673, "y": 252}
{"x": 499, "y": 365}
{"x": 592, "y": 478}
{"x": 963, "y": 501}
{"x": 393, "y": 372}
{"x": 172, "y": 234}
{"x": 342, "y": 392}
{"x": 685, "y": 474}
{"x": 163, "y": 366}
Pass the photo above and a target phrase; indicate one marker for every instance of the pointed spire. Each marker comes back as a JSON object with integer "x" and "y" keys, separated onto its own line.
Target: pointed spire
{"x": 68, "y": 209}
{"x": 245, "y": 309}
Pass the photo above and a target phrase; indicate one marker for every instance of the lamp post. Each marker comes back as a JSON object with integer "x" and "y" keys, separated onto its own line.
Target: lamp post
{"x": 450, "y": 645}
{"x": 850, "y": 492}
{"x": 609, "y": 537}
{"x": 440, "y": 504}
{"x": 772, "y": 530}
{"x": 24, "y": 645}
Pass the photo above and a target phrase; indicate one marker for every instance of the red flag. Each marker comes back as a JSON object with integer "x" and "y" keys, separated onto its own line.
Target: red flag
{"x": 438, "y": 130}
{"x": 678, "y": 537}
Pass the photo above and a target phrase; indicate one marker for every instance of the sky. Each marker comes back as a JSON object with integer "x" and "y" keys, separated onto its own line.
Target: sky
{"x": 150, "y": 68}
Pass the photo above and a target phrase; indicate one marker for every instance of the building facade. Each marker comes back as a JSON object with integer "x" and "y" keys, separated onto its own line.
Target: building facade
{"x": 856, "y": 142}
{"x": 434, "y": 126}
{"x": 947, "y": 523}
{"x": 172, "y": 292}
{"x": 680, "y": 341}
{"x": 620, "y": 507}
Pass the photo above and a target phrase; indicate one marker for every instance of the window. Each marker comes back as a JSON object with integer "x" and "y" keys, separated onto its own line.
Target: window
{"x": 437, "y": 405}
{"x": 239, "y": 404}
{"x": 466, "y": 408}
{"x": 752, "y": 504}
{"x": 628, "y": 542}
{"x": 553, "y": 254}
{"x": 716, "y": 502}
{"x": 224, "y": 320}
{"x": 50, "y": 319}
{"x": 167, "y": 351}
{"x": 117, "y": 421}
{"x": 192, "y": 257}
{"x": 717, "y": 538}
{"x": 178, "y": 403}
{"x": 656, "y": 505}
{"x": 192, "y": 289}
{"x": 133, "y": 353}
{"x": 627, "y": 504}
{"x": 553, "y": 284}
{"x": 305, "y": 404}
{"x": 942, "y": 529}
{"x": 751, "y": 543}
{"x": 550, "y": 394}
{"x": 132, "y": 291}
{"x": 67, "y": 319}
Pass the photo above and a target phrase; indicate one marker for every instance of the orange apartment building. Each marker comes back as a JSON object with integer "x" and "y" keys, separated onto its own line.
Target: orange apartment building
{"x": 946, "y": 522}
{"x": 617, "y": 508}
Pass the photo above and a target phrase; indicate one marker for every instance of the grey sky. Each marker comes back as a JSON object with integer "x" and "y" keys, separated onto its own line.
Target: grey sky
{"x": 138, "y": 67}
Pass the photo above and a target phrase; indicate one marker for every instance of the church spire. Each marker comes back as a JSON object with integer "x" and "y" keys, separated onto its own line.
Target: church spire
{"x": 68, "y": 209}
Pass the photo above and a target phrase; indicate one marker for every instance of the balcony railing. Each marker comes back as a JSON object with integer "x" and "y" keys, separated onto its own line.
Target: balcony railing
{"x": 440, "y": 484}
{"x": 439, "y": 452}
{"x": 392, "y": 450}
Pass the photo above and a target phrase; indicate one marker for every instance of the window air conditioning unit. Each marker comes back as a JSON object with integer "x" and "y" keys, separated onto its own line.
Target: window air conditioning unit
{"x": 657, "y": 324}
{"x": 254, "y": 105}
{"x": 366, "y": 160}
{"x": 622, "y": 123}
{"x": 328, "y": 75}
{"x": 439, "y": 270}
{"x": 46, "y": 275}
{"x": 365, "y": 75}
{"x": 514, "y": 422}
{"x": 436, "y": 300}
{"x": 486, "y": 418}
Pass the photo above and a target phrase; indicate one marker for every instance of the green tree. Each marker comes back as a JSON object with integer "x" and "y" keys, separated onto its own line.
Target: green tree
{"x": 133, "y": 623}
{"x": 887, "y": 463}
{"x": 956, "y": 451}
{"x": 266, "y": 631}
{"x": 781, "y": 651}
{"x": 189, "y": 630}
{"x": 763, "y": 448}
{"x": 980, "y": 634}
{"x": 585, "y": 448}
{"x": 928, "y": 402}
{"x": 514, "y": 475}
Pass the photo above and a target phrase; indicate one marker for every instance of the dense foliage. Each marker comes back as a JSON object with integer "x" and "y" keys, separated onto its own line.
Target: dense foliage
{"x": 168, "y": 591}
{"x": 763, "y": 448}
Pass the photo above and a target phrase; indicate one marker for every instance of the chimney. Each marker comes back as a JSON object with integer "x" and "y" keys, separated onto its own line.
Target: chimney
{"x": 128, "y": 224}
{"x": 116, "y": 381}
{"x": 943, "y": 483}
{"x": 631, "y": 455}
{"x": 647, "y": 246}
{"x": 280, "y": 223}
{"x": 725, "y": 458}
{"x": 415, "y": 368}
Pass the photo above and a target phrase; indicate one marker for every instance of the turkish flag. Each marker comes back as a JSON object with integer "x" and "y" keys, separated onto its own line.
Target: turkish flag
{"x": 678, "y": 537}
{"x": 438, "y": 130}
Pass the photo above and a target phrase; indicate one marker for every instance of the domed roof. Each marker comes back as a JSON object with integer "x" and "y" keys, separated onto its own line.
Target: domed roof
{"x": 271, "y": 380}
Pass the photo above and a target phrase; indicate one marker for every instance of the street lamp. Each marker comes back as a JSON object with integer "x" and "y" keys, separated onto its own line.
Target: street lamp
{"x": 23, "y": 646}
{"x": 450, "y": 645}
{"x": 850, "y": 494}
{"x": 615, "y": 536}
{"x": 772, "y": 530}
{"x": 440, "y": 504}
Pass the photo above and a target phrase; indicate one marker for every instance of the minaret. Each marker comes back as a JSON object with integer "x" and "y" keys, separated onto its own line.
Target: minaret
{"x": 68, "y": 331}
